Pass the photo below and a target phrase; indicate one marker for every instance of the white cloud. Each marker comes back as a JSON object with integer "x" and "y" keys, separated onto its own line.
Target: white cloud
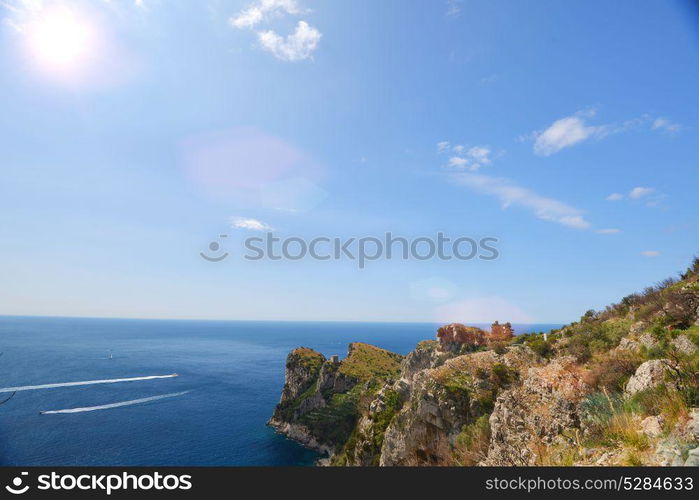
{"x": 295, "y": 47}
{"x": 480, "y": 154}
{"x": 640, "y": 192}
{"x": 509, "y": 193}
{"x": 575, "y": 221}
{"x": 473, "y": 159}
{"x": 565, "y": 133}
{"x": 572, "y": 130}
{"x": 481, "y": 310}
{"x": 615, "y": 197}
{"x": 453, "y": 8}
{"x": 442, "y": 146}
{"x": 262, "y": 10}
{"x": 609, "y": 231}
{"x": 650, "y": 253}
{"x": 458, "y": 162}
{"x": 665, "y": 125}
{"x": 247, "y": 223}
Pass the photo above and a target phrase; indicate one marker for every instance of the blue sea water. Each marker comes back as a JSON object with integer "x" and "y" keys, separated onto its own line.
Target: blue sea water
{"x": 231, "y": 374}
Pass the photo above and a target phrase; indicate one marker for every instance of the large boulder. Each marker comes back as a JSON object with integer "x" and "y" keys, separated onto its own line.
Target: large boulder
{"x": 529, "y": 418}
{"x": 648, "y": 376}
{"x": 684, "y": 345}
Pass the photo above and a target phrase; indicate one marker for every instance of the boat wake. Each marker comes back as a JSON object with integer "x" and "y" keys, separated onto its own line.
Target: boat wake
{"x": 85, "y": 382}
{"x": 115, "y": 405}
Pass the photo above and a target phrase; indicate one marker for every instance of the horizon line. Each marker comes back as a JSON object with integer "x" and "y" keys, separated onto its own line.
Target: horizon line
{"x": 129, "y": 318}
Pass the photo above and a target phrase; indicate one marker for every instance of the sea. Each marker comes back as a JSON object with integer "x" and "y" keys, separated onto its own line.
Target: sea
{"x": 123, "y": 392}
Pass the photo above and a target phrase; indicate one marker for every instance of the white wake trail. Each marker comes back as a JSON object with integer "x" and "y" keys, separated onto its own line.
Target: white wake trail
{"x": 85, "y": 382}
{"x": 115, "y": 405}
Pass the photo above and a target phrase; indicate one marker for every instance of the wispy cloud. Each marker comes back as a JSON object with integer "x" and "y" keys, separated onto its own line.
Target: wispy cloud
{"x": 248, "y": 223}
{"x": 453, "y": 8}
{"x": 640, "y": 192}
{"x": 296, "y": 46}
{"x": 665, "y": 125}
{"x": 650, "y": 253}
{"x": 511, "y": 194}
{"x": 565, "y": 133}
{"x": 609, "y": 231}
{"x": 442, "y": 146}
{"x": 648, "y": 195}
{"x": 262, "y": 10}
{"x": 574, "y": 129}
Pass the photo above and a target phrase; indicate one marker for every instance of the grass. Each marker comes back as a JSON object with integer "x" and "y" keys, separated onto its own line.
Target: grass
{"x": 366, "y": 362}
{"x": 308, "y": 358}
{"x": 614, "y": 421}
{"x": 668, "y": 404}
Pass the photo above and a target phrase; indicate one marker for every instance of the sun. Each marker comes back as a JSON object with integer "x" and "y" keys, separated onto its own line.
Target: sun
{"x": 60, "y": 39}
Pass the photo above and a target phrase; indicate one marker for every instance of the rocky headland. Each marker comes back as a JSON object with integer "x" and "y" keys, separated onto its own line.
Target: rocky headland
{"x": 618, "y": 387}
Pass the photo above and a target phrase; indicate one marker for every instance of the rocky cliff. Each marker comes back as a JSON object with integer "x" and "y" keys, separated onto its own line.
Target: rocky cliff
{"x": 322, "y": 399}
{"x": 618, "y": 387}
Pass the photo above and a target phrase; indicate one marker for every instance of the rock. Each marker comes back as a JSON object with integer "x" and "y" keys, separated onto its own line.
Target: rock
{"x": 316, "y": 408}
{"x": 649, "y": 375}
{"x": 423, "y": 357}
{"x": 536, "y": 414}
{"x": 648, "y": 341}
{"x": 692, "y": 458}
{"x": 692, "y": 427}
{"x": 652, "y": 426}
{"x": 684, "y": 345}
{"x": 442, "y": 400}
{"x": 638, "y": 327}
{"x": 423, "y": 432}
{"x": 628, "y": 344}
{"x": 669, "y": 452}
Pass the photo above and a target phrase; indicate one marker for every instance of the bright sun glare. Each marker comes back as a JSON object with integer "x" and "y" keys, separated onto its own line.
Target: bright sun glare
{"x": 60, "y": 39}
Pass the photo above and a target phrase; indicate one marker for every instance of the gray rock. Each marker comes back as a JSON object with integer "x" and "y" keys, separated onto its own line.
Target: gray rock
{"x": 638, "y": 327}
{"x": 537, "y": 413}
{"x": 693, "y": 423}
{"x": 693, "y": 458}
{"x": 628, "y": 344}
{"x": 652, "y": 426}
{"x": 648, "y": 341}
{"x": 649, "y": 375}
{"x": 669, "y": 452}
{"x": 684, "y": 345}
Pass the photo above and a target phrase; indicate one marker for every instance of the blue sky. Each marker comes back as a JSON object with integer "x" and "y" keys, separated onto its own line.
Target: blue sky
{"x": 133, "y": 133}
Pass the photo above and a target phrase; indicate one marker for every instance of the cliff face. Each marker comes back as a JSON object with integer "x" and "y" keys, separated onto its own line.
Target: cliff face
{"x": 323, "y": 399}
{"x": 440, "y": 401}
{"x": 619, "y": 387}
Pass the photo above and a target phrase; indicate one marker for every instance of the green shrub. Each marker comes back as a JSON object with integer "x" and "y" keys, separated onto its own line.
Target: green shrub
{"x": 472, "y": 442}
